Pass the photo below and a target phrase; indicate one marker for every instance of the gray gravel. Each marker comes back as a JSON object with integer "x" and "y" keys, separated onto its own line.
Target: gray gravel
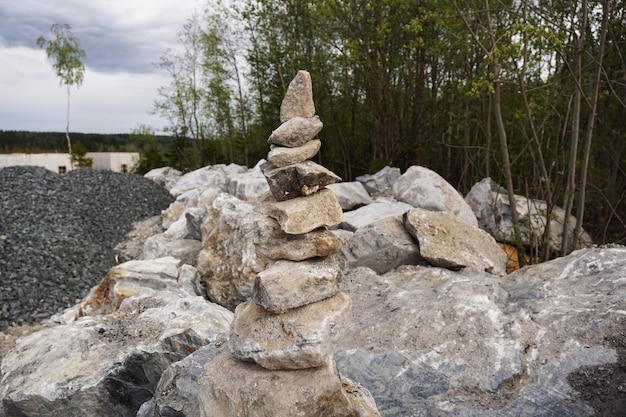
{"x": 58, "y": 233}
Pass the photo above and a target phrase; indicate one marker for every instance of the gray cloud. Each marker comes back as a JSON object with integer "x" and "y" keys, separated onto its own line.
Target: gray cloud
{"x": 129, "y": 39}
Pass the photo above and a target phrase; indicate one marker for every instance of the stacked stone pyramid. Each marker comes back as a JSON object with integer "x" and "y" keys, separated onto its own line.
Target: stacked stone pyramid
{"x": 280, "y": 357}
{"x": 296, "y": 311}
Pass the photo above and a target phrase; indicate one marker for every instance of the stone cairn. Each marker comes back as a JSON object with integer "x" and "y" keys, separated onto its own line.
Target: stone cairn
{"x": 296, "y": 312}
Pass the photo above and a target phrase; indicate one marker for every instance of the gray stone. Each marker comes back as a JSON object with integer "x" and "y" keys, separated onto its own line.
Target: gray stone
{"x": 381, "y": 246}
{"x": 172, "y": 213}
{"x": 176, "y": 394}
{"x": 202, "y": 177}
{"x": 228, "y": 261}
{"x": 239, "y": 242}
{"x": 447, "y": 241}
{"x": 423, "y": 188}
{"x": 248, "y": 186}
{"x": 165, "y": 176}
{"x": 108, "y": 365}
{"x": 350, "y": 195}
{"x": 231, "y": 388}
{"x": 281, "y": 156}
{"x": 469, "y": 343}
{"x": 280, "y": 245}
{"x": 286, "y": 284}
{"x": 304, "y": 214}
{"x": 381, "y": 181}
{"x": 297, "y": 180}
{"x": 159, "y": 246}
{"x": 296, "y": 132}
{"x": 490, "y": 203}
{"x": 366, "y": 215}
{"x": 298, "y": 100}
{"x": 298, "y": 339}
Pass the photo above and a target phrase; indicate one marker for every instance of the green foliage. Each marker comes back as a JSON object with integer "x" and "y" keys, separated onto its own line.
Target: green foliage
{"x": 64, "y": 49}
{"x": 150, "y": 153}
{"x": 79, "y": 158}
{"x": 405, "y": 82}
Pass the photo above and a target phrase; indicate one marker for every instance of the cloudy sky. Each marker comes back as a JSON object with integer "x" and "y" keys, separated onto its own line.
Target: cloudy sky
{"x": 122, "y": 39}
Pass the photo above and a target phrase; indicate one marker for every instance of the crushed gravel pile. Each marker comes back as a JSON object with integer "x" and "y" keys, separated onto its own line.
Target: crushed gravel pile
{"x": 58, "y": 234}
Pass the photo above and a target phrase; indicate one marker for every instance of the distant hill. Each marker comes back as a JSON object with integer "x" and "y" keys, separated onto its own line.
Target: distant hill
{"x": 15, "y": 141}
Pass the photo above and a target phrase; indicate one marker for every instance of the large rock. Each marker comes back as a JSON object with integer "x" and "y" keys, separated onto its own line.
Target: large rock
{"x": 176, "y": 394}
{"x": 248, "y": 186}
{"x": 165, "y": 176}
{"x": 159, "y": 246}
{"x": 297, "y": 180}
{"x": 298, "y": 100}
{"x": 108, "y": 365}
{"x": 281, "y": 156}
{"x": 304, "y": 214}
{"x": 298, "y": 339}
{"x": 239, "y": 242}
{"x": 381, "y": 181}
{"x": 366, "y": 215}
{"x": 286, "y": 284}
{"x": 350, "y": 195}
{"x": 381, "y": 246}
{"x": 296, "y": 132}
{"x": 231, "y": 388}
{"x": 447, "y": 241}
{"x": 491, "y": 204}
{"x": 201, "y": 177}
{"x": 423, "y": 188}
{"x": 431, "y": 341}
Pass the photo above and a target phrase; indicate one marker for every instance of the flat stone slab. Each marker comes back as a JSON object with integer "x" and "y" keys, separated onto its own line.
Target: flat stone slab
{"x": 287, "y": 285}
{"x": 281, "y": 156}
{"x": 298, "y": 100}
{"x": 297, "y": 180}
{"x": 449, "y": 242}
{"x": 296, "y": 132}
{"x": 304, "y": 214}
{"x": 366, "y": 215}
{"x": 424, "y": 188}
{"x": 229, "y": 387}
{"x": 298, "y": 339}
{"x": 351, "y": 195}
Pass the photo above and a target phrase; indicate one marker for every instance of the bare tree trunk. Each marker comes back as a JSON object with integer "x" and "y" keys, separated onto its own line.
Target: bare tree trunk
{"x": 67, "y": 127}
{"x": 570, "y": 191}
{"x": 504, "y": 146}
{"x": 590, "y": 124}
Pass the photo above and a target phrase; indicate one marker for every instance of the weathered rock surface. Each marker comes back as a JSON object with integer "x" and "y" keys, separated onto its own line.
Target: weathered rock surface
{"x": 159, "y": 246}
{"x": 423, "y": 188}
{"x": 490, "y": 203}
{"x": 447, "y": 241}
{"x": 248, "y": 186}
{"x": 296, "y": 131}
{"x": 228, "y": 261}
{"x": 297, "y": 180}
{"x": 382, "y": 246}
{"x": 298, "y": 100}
{"x": 239, "y": 242}
{"x": 304, "y": 214}
{"x": 366, "y": 215}
{"x": 381, "y": 181}
{"x": 350, "y": 195}
{"x": 176, "y": 394}
{"x": 298, "y": 339}
{"x": 429, "y": 341}
{"x": 108, "y": 365}
{"x": 281, "y": 156}
{"x": 286, "y": 284}
{"x": 165, "y": 176}
{"x": 232, "y": 388}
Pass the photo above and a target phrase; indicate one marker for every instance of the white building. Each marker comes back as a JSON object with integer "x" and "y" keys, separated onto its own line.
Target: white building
{"x": 60, "y": 162}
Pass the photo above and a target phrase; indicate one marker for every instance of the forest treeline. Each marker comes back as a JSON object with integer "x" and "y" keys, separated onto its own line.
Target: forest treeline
{"x": 16, "y": 141}
{"x": 530, "y": 93}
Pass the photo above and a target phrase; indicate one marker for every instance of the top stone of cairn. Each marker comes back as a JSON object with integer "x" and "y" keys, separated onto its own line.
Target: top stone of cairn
{"x": 298, "y": 100}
